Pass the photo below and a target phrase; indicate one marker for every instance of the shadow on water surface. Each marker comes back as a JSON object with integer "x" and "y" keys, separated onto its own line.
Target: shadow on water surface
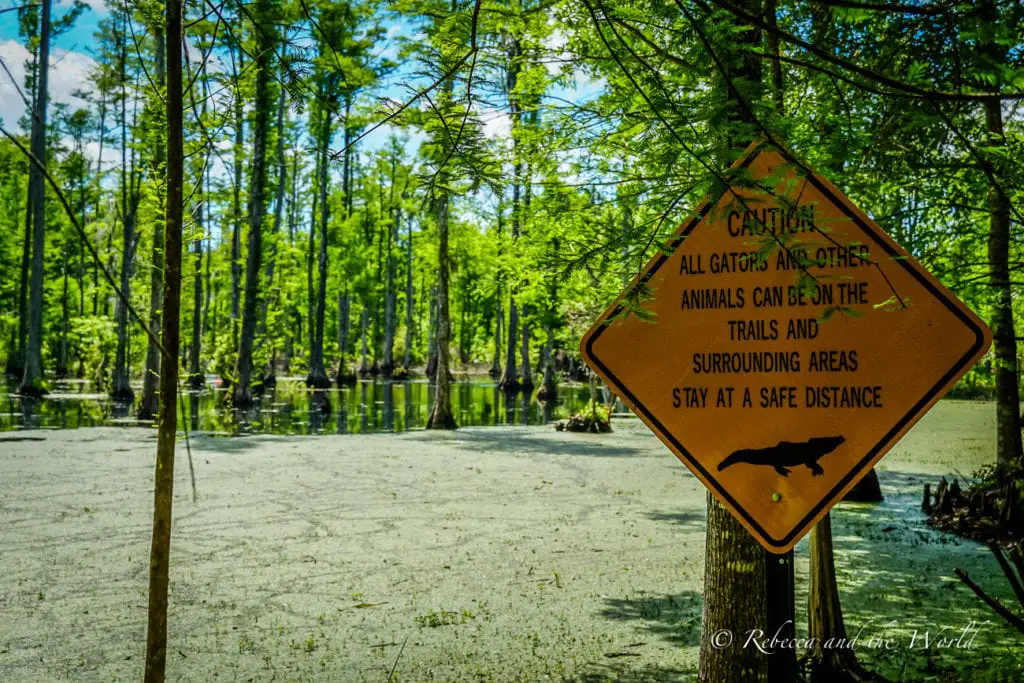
{"x": 290, "y": 408}
{"x": 896, "y": 586}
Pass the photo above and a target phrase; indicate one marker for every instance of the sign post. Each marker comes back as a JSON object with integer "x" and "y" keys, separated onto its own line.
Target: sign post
{"x": 780, "y": 614}
{"x": 786, "y": 344}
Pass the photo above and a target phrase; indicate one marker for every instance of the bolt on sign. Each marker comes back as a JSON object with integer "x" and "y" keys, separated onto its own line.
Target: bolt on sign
{"x": 781, "y": 344}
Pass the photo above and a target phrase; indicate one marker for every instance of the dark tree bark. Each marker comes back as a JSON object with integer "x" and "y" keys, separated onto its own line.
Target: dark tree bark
{"x": 121, "y": 390}
{"x": 388, "y": 364}
{"x": 772, "y": 44}
{"x": 317, "y": 374}
{"x": 207, "y": 274}
{"x": 526, "y": 372}
{"x": 195, "y": 375}
{"x": 236, "y": 219}
{"x": 275, "y": 226}
{"x": 159, "y": 562}
{"x": 32, "y": 380}
{"x": 196, "y": 380}
{"x": 432, "y": 339}
{"x": 495, "y": 371}
{"x": 16, "y": 363}
{"x": 62, "y": 355}
{"x": 310, "y": 246}
{"x": 364, "y": 366}
{"x": 1008, "y": 420}
{"x": 344, "y": 319}
{"x": 407, "y": 356}
{"x": 441, "y": 417}
{"x": 510, "y": 380}
{"x": 96, "y": 208}
{"x": 825, "y": 615}
{"x": 734, "y": 599}
{"x": 255, "y": 207}
{"x": 148, "y": 405}
{"x": 290, "y": 312}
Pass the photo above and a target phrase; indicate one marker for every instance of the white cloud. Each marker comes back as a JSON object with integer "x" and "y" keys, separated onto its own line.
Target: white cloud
{"x": 13, "y": 55}
{"x": 554, "y": 45}
{"x": 69, "y": 71}
{"x": 97, "y": 6}
{"x": 497, "y": 125}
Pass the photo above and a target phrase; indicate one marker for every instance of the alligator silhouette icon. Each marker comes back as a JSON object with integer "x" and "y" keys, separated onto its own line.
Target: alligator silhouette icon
{"x": 787, "y": 454}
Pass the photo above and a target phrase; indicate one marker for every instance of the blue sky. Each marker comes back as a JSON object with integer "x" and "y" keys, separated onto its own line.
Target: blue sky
{"x": 72, "y": 60}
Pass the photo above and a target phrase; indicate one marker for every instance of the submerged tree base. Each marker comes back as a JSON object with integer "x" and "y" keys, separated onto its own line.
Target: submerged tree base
{"x": 444, "y": 421}
{"x": 33, "y": 390}
{"x": 988, "y": 510}
{"x": 867, "y": 490}
{"x": 122, "y": 395}
{"x": 318, "y": 380}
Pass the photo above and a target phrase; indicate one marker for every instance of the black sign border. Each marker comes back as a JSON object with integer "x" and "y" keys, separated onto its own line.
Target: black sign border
{"x": 829, "y": 500}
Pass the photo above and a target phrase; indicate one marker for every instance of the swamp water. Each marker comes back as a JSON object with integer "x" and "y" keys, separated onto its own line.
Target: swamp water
{"x": 290, "y": 408}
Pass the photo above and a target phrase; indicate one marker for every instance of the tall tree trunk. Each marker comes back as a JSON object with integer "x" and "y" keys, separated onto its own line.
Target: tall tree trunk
{"x": 121, "y": 390}
{"x": 734, "y": 599}
{"x": 208, "y": 266}
{"x": 388, "y": 365}
{"x": 343, "y": 330}
{"x": 236, "y": 218}
{"x": 255, "y": 206}
{"x": 527, "y": 372}
{"x": 772, "y": 44}
{"x": 275, "y": 226}
{"x": 317, "y": 374}
{"x": 441, "y": 417}
{"x": 310, "y": 245}
{"x": 96, "y": 209}
{"x": 432, "y": 340}
{"x": 290, "y": 312}
{"x": 159, "y": 562}
{"x": 196, "y": 380}
{"x": 62, "y": 357}
{"x": 32, "y": 382}
{"x": 364, "y": 367}
{"x": 407, "y": 355}
{"x": 346, "y": 170}
{"x": 734, "y": 563}
{"x": 510, "y": 380}
{"x": 149, "y": 405}
{"x": 495, "y": 371}
{"x": 825, "y": 615}
{"x": 1008, "y": 420}
{"x": 16, "y": 365}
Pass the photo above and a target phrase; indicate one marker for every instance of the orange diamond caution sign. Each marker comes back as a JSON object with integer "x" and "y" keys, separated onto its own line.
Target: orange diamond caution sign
{"x": 781, "y": 344}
